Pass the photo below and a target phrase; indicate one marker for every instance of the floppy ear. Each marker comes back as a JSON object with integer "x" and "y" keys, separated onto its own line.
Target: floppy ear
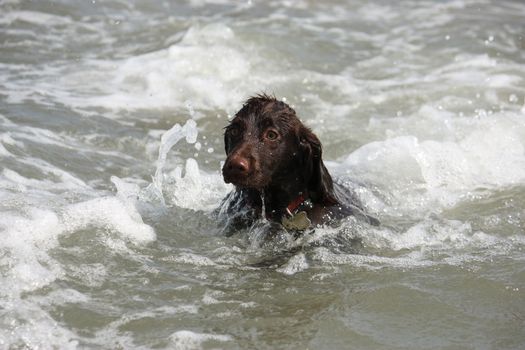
{"x": 319, "y": 180}
{"x": 226, "y": 143}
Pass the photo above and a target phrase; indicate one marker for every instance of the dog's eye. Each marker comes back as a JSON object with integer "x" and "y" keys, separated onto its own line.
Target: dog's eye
{"x": 234, "y": 132}
{"x": 271, "y": 135}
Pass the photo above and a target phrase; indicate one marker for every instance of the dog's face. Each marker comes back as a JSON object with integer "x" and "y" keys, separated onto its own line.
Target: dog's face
{"x": 268, "y": 147}
{"x": 261, "y": 143}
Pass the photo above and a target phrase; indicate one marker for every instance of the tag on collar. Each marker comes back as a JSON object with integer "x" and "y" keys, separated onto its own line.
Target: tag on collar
{"x": 299, "y": 221}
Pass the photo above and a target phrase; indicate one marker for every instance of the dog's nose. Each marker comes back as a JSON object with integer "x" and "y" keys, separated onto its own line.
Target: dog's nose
{"x": 238, "y": 165}
{"x": 236, "y": 170}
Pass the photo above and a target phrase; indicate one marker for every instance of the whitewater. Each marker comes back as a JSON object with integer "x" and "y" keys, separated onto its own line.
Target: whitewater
{"x": 111, "y": 145}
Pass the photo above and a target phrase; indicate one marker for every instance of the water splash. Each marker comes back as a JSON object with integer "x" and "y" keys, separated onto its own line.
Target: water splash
{"x": 167, "y": 141}
{"x": 186, "y": 186}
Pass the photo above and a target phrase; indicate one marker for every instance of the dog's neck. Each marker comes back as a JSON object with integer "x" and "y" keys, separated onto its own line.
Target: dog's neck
{"x": 278, "y": 199}
{"x": 275, "y": 202}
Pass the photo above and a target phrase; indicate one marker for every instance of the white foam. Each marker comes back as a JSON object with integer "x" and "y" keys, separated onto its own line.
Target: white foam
{"x": 38, "y": 18}
{"x": 7, "y": 139}
{"x": 4, "y": 152}
{"x": 425, "y": 234}
{"x": 61, "y": 296}
{"x": 26, "y": 266}
{"x": 192, "y": 340}
{"x": 424, "y": 175}
{"x": 112, "y": 332}
{"x": 194, "y": 189}
{"x": 371, "y": 262}
{"x": 296, "y": 264}
{"x": 209, "y": 298}
{"x": 109, "y": 213}
{"x": 56, "y": 177}
{"x": 35, "y": 329}
{"x": 428, "y": 242}
{"x": 27, "y": 239}
{"x": 208, "y": 67}
{"x": 194, "y": 259}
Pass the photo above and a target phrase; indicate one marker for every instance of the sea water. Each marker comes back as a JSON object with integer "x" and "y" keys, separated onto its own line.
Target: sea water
{"x": 111, "y": 123}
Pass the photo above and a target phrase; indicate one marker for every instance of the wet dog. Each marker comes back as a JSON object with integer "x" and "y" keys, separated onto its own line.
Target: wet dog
{"x": 276, "y": 166}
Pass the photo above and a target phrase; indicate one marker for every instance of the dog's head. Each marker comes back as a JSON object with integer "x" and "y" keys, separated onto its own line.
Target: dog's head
{"x": 268, "y": 146}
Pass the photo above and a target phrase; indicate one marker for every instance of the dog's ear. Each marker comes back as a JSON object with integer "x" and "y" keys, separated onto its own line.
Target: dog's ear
{"x": 227, "y": 143}
{"x": 319, "y": 181}
{"x": 228, "y": 140}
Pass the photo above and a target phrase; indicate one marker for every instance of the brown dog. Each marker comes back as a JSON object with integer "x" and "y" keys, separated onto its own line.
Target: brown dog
{"x": 275, "y": 163}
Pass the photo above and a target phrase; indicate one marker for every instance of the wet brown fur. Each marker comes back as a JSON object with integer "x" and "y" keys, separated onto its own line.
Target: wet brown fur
{"x": 277, "y": 171}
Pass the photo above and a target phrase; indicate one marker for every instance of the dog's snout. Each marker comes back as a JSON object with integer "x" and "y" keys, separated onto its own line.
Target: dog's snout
{"x": 237, "y": 168}
{"x": 238, "y": 164}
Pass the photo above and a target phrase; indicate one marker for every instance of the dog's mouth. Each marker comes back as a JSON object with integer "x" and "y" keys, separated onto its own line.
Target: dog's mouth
{"x": 252, "y": 180}
{"x": 233, "y": 179}
{"x": 245, "y": 172}
{"x": 240, "y": 181}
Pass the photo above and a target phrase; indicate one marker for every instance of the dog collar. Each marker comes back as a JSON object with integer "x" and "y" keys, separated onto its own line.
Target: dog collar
{"x": 294, "y": 218}
{"x": 292, "y": 208}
